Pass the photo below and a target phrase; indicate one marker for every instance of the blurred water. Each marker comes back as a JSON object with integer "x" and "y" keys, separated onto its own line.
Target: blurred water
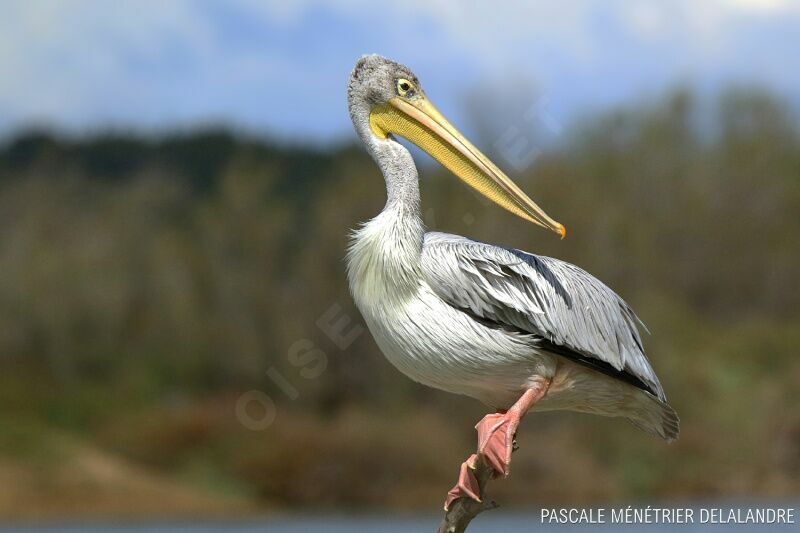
{"x": 496, "y": 522}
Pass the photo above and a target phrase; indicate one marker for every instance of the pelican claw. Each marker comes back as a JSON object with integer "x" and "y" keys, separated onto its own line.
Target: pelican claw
{"x": 467, "y": 485}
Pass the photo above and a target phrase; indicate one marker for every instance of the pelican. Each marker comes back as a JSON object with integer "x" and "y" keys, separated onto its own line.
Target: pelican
{"x": 511, "y": 329}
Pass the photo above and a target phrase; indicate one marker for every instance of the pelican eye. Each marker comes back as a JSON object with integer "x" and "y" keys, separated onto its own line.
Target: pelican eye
{"x": 405, "y": 87}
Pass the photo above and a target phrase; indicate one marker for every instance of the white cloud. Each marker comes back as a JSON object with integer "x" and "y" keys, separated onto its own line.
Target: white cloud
{"x": 150, "y": 62}
{"x": 771, "y": 6}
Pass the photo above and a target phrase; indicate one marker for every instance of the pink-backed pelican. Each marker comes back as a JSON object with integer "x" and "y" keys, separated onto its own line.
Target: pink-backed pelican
{"x": 506, "y": 327}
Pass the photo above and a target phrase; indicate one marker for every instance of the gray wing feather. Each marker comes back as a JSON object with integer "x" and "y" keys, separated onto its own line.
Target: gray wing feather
{"x": 540, "y": 295}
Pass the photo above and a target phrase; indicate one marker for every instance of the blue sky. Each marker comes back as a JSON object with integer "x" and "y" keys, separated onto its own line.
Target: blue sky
{"x": 280, "y": 68}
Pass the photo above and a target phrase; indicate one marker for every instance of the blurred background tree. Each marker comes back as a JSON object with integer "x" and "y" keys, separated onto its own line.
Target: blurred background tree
{"x": 148, "y": 282}
{"x": 177, "y": 184}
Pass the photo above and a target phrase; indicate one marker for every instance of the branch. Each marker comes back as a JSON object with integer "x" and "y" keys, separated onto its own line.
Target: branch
{"x": 463, "y": 510}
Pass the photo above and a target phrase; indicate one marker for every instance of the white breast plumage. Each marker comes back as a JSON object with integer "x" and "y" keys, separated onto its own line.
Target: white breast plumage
{"x": 424, "y": 337}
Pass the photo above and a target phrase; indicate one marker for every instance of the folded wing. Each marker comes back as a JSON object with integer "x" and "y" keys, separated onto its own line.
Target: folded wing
{"x": 569, "y": 311}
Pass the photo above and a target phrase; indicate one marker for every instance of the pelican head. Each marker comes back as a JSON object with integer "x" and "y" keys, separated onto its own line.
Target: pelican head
{"x": 386, "y": 98}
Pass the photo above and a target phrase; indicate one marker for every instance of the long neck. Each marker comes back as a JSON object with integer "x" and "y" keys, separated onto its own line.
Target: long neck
{"x": 400, "y": 174}
{"x": 395, "y": 162}
{"x": 385, "y": 254}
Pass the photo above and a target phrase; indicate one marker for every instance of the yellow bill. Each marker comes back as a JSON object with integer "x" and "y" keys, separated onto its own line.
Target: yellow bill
{"x": 421, "y": 123}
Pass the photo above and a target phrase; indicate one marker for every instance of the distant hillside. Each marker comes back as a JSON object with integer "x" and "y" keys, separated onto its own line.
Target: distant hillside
{"x": 199, "y": 157}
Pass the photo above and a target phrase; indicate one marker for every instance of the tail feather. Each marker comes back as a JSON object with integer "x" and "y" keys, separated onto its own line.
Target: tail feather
{"x": 657, "y": 418}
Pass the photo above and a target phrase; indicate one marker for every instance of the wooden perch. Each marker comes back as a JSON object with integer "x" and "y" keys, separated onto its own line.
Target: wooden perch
{"x": 463, "y": 510}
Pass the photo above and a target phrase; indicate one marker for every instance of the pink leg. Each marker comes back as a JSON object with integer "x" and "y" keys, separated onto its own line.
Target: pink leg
{"x": 496, "y": 431}
{"x": 495, "y": 442}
